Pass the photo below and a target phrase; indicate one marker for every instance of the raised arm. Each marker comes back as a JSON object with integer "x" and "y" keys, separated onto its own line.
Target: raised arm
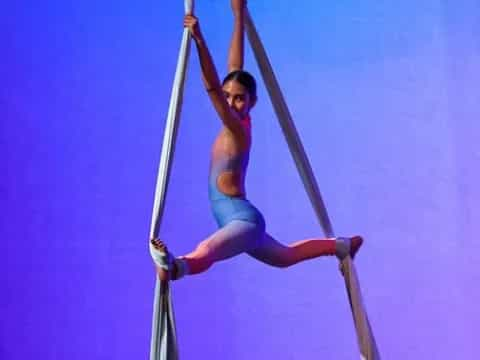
{"x": 235, "y": 55}
{"x": 210, "y": 78}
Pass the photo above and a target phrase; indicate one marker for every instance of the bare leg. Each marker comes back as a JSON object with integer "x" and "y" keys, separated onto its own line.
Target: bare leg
{"x": 234, "y": 238}
{"x": 276, "y": 254}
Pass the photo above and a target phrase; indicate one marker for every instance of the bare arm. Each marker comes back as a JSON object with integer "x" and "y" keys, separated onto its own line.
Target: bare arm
{"x": 235, "y": 54}
{"x": 210, "y": 78}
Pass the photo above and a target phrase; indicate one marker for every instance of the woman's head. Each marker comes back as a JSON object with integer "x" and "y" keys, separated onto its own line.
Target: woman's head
{"x": 240, "y": 90}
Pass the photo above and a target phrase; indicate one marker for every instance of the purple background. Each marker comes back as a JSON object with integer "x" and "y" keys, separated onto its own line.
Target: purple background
{"x": 386, "y": 99}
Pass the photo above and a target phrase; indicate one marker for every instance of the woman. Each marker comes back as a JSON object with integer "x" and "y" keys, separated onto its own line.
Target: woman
{"x": 241, "y": 225}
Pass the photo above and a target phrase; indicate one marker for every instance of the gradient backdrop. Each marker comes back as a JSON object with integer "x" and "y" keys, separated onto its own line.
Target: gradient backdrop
{"x": 385, "y": 95}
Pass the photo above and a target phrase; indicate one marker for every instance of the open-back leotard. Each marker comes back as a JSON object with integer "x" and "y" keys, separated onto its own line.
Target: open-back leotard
{"x": 227, "y": 208}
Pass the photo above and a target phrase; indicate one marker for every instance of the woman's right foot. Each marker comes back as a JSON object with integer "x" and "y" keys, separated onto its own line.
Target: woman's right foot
{"x": 164, "y": 262}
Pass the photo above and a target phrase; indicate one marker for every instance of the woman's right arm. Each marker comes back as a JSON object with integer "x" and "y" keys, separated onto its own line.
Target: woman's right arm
{"x": 235, "y": 53}
{"x": 210, "y": 78}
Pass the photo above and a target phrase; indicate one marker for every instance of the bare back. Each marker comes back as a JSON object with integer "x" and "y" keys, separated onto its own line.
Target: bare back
{"x": 229, "y": 160}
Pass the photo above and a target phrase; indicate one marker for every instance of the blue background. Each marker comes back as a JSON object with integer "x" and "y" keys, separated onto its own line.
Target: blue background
{"x": 385, "y": 97}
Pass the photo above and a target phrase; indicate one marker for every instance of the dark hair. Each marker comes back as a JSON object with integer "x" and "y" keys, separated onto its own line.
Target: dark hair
{"x": 244, "y": 78}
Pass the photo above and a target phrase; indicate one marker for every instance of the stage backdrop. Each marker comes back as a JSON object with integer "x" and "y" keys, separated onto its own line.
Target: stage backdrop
{"x": 385, "y": 96}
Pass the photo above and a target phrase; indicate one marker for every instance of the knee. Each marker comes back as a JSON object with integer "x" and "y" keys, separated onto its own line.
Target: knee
{"x": 287, "y": 259}
{"x": 284, "y": 264}
{"x": 280, "y": 263}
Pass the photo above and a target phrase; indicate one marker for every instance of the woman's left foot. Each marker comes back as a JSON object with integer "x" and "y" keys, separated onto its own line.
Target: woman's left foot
{"x": 345, "y": 247}
{"x": 355, "y": 244}
{"x": 348, "y": 246}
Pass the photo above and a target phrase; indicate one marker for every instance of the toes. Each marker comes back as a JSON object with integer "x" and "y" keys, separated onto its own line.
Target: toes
{"x": 356, "y": 243}
{"x": 157, "y": 244}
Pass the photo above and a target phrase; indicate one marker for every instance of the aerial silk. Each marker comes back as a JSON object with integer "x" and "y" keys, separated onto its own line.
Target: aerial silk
{"x": 164, "y": 340}
{"x": 163, "y": 345}
{"x": 365, "y": 338}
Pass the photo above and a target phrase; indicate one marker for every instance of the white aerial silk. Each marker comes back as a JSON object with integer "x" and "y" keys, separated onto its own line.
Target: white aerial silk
{"x": 164, "y": 341}
{"x": 365, "y": 338}
{"x": 163, "y": 345}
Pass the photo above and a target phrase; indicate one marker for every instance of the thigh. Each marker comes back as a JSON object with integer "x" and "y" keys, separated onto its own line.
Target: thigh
{"x": 270, "y": 251}
{"x": 234, "y": 238}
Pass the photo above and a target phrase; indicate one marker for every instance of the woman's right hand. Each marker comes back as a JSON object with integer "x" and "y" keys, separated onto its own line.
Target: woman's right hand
{"x": 192, "y": 24}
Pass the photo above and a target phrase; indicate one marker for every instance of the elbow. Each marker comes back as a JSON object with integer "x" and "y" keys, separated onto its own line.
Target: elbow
{"x": 234, "y": 67}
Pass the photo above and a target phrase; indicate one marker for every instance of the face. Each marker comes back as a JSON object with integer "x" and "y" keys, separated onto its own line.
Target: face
{"x": 238, "y": 97}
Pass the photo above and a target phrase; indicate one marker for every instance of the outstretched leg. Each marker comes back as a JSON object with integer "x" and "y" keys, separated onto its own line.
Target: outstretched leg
{"x": 232, "y": 239}
{"x": 276, "y": 254}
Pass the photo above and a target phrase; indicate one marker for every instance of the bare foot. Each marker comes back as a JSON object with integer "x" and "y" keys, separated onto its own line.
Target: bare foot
{"x": 159, "y": 245}
{"x": 163, "y": 260}
{"x": 355, "y": 244}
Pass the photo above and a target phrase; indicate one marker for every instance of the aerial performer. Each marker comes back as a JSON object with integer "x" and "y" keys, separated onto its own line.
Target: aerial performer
{"x": 241, "y": 225}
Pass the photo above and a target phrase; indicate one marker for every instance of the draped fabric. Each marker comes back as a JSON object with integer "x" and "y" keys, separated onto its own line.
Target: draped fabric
{"x": 365, "y": 338}
{"x": 164, "y": 338}
{"x": 163, "y": 345}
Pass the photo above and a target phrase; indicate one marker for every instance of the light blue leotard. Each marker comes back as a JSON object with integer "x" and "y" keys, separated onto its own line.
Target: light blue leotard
{"x": 227, "y": 208}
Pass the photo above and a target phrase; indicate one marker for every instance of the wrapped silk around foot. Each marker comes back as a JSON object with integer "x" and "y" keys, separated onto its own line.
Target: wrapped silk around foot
{"x": 163, "y": 259}
{"x": 342, "y": 247}
{"x": 166, "y": 261}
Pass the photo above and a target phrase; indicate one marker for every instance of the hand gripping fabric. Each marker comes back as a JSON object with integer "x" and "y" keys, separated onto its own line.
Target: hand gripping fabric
{"x": 163, "y": 344}
{"x": 365, "y": 338}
